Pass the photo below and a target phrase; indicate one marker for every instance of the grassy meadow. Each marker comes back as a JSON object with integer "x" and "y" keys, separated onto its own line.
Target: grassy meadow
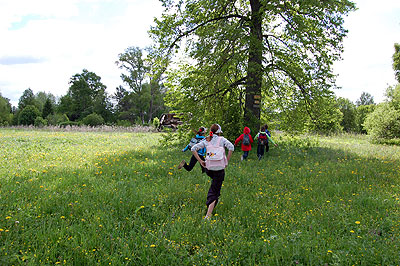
{"x": 93, "y": 198}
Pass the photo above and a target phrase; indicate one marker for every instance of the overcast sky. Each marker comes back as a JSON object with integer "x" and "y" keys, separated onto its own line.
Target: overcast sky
{"x": 45, "y": 42}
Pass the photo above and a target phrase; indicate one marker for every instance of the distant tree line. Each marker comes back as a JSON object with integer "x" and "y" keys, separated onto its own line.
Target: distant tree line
{"x": 87, "y": 102}
{"x": 144, "y": 96}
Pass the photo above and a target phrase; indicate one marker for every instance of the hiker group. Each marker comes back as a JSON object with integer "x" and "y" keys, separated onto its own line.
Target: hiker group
{"x": 210, "y": 153}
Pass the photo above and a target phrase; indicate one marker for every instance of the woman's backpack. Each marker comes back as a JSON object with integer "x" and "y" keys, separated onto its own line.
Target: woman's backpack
{"x": 215, "y": 156}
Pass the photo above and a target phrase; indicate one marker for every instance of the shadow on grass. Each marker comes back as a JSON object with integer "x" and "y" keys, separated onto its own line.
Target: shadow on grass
{"x": 137, "y": 208}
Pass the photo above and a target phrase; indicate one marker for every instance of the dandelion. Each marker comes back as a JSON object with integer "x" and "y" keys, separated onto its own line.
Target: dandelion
{"x": 352, "y": 231}
{"x": 153, "y": 246}
{"x": 358, "y": 222}
{"x": 62, "y": 217}
{"x": 330, "y": 251}
{"x": 1, "y": 230}
{"x": 8, "y": 217}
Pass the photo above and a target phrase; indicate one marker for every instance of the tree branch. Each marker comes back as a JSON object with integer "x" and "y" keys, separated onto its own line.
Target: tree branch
{"x": 302, "y": 90}
{"x": 201, "y": 25}
{"x": 226, "y": 90}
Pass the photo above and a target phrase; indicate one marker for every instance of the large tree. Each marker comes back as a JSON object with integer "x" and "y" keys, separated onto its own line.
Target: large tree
{"x": 247, "y": 50}
{"x": 365, "y": 99}
{"x": 86, "y": 95}
{"x": 349, "y": 112}
{"x": 144, "y": 98}
{"x": 27, "y": 98}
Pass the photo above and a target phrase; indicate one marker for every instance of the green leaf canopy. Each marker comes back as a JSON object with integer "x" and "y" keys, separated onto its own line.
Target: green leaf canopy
{"x": 243, "y": 53}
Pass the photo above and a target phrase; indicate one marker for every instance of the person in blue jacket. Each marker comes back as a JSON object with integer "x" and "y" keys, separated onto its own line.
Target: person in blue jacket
{"x": 199, "y": 137}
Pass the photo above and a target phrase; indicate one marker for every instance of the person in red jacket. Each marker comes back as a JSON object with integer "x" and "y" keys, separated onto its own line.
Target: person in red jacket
{"x": 246, "y": 140}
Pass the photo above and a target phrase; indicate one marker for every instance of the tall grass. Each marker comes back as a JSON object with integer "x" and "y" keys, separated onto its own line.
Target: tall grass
{"x": 109, "y": 198}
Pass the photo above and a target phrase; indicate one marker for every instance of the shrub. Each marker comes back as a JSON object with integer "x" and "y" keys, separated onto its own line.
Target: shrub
{"x": 156, "y": 122}
{"x": 361, "y": 113}
{"x": 93, "y": 120}
{"x": 57, "y": 119}
{"x": 40, "y": 122}
{"x": 383, "y": 122}
{"x": 124, "y": 123}
{"x": 28, "y": 115}
{"x": 69, "y": 123}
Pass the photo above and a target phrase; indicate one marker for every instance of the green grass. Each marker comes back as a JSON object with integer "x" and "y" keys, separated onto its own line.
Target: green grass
{"x": 117, "y": 199}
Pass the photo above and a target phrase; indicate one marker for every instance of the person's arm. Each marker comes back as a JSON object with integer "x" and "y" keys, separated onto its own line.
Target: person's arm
{"x": 194, "y": 150}
{"x": 238, "y": 139}
{"x": 270, "y": 139}
{"x": 227, "y": 144}
{"x": 196, "y": 155}
{"x": 186, "y": 148}
{"x": 228, "y": 157}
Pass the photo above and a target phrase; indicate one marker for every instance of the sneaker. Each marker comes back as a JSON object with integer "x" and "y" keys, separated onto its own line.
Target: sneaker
{"x": 206, "y": 218}
{"x": 181, "y": 164}
{"x": 241, "y": 158}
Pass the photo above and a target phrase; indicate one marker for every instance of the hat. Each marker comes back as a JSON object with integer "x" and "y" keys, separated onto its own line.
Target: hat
{"x": 202, "y": 130}
{"x": 219, "y": 129}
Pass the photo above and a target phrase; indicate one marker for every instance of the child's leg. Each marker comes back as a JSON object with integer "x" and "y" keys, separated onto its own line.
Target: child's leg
{"x": 215, "y": 189}
{"x": 192, "y": 163}
{"x": 245, "y": 154}
{"x": 210, "y": 209}
{"x": 262, "y": 150}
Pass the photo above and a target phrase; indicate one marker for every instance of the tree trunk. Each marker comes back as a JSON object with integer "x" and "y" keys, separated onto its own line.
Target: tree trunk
{"x": 152, "y": 93}
{"x": 254, "y": 71}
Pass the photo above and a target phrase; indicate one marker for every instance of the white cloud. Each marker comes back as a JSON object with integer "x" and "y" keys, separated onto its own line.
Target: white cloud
{"x": 367, "y": 58}
{"x": 66, "y": 37}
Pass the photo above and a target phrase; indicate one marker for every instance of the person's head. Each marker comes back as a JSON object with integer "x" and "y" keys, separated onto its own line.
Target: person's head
{"x": 265, "y": 127}
{"x": 262, "y": 128}
{"x": 214, "y": 129}
{"x": 201, "y": 131}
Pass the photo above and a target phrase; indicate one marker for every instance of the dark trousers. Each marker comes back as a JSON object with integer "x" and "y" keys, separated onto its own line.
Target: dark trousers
{"x": 260, "y": 150}
{"x": 192, "y": 163}
{"x": 215, "y": 189}
{"x": 245, "y": 154}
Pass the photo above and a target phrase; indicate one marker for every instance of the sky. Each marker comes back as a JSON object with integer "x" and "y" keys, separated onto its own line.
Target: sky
{"x": 45, "y": 42}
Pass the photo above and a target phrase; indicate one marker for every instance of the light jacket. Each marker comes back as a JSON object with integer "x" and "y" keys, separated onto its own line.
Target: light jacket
{"x": 201, "y": 152}
{"x": 222, "y": 143}
{"x": 267, "y": 134}
{"x": 246, "y": 131}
